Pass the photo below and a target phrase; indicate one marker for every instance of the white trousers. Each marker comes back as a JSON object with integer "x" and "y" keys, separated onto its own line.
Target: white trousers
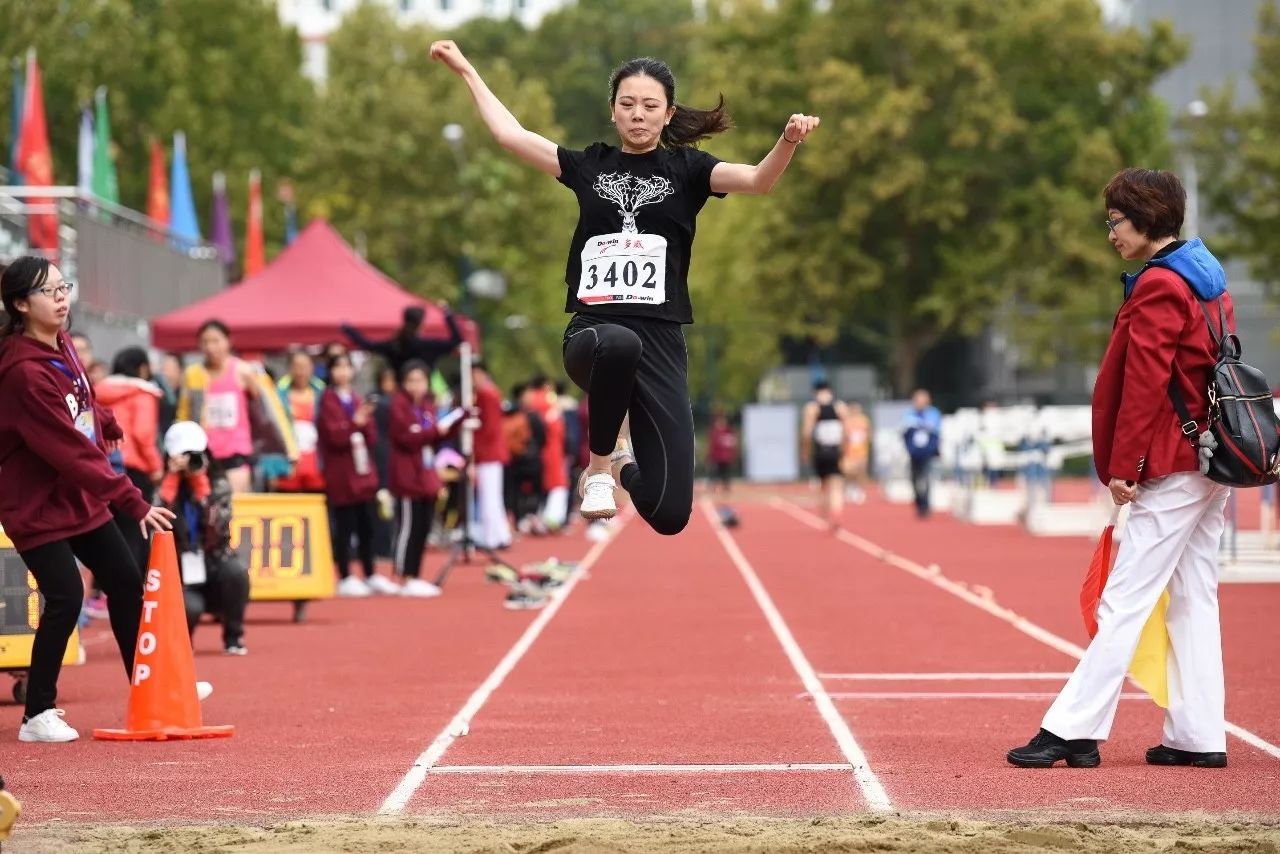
{"x": 1171, "y": 541}
{"x": 490, "y": 526}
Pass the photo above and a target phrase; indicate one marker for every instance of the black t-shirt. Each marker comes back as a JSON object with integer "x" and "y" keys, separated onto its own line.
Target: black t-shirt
{"x": 636, "y": 218}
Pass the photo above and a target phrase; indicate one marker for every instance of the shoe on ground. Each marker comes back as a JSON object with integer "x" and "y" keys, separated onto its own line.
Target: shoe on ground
{"x": 1161, "y": 755}
{"x": 419, "y": 588}
{"x": 353, "y": 587}
{"x": 204, "y": 690}
{"x": 1046, "y": 749}
{"x": 596, "y": 490}
{"x": 10, "y": 809}
{"x": 48, "y": 726}
{"x": 381, "y": 584}
{"x": 526, "y": 596}
{"x": 237, "y": 648}
{"x": 96, "y": 607}
{"x": 501, "y": 574}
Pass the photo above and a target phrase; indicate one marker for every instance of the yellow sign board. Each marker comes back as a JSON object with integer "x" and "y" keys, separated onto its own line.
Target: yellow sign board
{"x": 284, "y": 542}
{"x": 20, "y": 608}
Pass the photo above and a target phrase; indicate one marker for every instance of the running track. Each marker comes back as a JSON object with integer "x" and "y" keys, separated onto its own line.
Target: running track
{"x": 771, "y": 669}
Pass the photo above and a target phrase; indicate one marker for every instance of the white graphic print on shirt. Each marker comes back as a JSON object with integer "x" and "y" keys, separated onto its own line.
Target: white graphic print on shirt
{"x": 627, "y": 266}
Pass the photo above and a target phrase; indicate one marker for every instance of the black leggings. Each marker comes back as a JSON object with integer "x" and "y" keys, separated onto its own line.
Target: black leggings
{"x": 107, "y": 555}
{"x": 413, "y": 527}
{"x": 354, "y": 519}
{"x": 628, "y": 365}
{"x": 224, "y": 593}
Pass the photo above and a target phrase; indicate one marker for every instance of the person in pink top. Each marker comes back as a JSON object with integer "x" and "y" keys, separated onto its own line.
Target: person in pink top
{"x": 217, "y": 395}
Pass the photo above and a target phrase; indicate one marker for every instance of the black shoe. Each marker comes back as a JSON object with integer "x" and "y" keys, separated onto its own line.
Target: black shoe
{"x": 1046, "y": 749}
{"x": 1162, "y": 755}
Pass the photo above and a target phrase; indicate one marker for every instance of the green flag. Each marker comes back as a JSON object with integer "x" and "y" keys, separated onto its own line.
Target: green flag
{"x": 104, "y": 167}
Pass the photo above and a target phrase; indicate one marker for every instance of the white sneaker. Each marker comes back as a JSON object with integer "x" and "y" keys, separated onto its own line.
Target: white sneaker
{"x": 597, "y": 496}
{"x": 47, "y": 726}
{"x": 203, "y": 690}
{"x": 353, "y": 587}
{"x": 420, "y": 589}
{"x": 381, "y": 584}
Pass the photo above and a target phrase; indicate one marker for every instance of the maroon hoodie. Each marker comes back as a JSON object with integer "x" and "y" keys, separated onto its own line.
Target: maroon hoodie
{"x": 55, "y": 482}
{"x": 343, "y": 486}
{"x": 412, "y": 429}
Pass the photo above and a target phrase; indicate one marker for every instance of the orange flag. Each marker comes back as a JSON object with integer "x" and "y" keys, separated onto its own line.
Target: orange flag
{"x": 35, "y": 160}
{"x": 158, "y": 186}
{"x": 254, "y": 254}
{"x": 1150, "y": 659}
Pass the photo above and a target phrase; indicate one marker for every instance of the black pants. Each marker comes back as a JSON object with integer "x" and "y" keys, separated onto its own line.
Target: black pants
{"x": 107, "y": 555}
{"x": 920, "y": 483}
{"x": 413, "y": 527}
{"x": 357, "y": 520}
{"x": 224, "y": 593}
{"x": 639, "y": 367}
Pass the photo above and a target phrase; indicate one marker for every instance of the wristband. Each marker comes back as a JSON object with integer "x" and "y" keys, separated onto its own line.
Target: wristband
{"x": 792, "y": 141}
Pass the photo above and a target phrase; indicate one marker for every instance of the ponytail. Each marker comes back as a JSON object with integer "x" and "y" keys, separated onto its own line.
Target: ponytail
{"x": 689, "y": 125}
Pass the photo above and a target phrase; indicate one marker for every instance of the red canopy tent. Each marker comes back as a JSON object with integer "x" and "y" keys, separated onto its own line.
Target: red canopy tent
{"x": 313, "y": 286}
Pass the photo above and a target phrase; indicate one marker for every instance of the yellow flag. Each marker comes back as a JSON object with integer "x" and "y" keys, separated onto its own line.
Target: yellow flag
{"x": 1150, "y": 665}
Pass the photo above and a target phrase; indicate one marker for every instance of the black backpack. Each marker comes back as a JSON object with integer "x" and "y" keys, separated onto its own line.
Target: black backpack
{"x": 1240, "y": 445}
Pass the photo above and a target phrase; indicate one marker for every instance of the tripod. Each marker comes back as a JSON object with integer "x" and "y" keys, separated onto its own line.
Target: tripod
{"x": 463, "y": 550}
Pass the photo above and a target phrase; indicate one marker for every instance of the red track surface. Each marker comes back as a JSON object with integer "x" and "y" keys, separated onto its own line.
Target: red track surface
{"x": 660, "y": 656}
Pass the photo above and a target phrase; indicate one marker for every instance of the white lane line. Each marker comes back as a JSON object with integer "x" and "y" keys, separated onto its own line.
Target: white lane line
{"x": 461, "y": 723}
{"x": 948, "y": 677}
{"x": 748, "y": 768}
{"x": 979, "y": 597}
{"x": 958, "y": 695}
{"x": 874, "y": 792}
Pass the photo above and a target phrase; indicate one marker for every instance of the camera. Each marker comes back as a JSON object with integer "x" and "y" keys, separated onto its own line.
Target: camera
{"x": 195, "y": 461}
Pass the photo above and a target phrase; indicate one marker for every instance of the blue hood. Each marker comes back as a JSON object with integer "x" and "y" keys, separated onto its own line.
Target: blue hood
{"x": 1193, "y": 262}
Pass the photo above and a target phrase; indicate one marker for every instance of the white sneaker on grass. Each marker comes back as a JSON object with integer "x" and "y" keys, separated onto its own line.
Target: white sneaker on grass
{"x": 420, "y": 588}
{"x": 381, "y": 584}
{"x": 596, "y": 490}
{"x": 353, "y": 587}
{"x": 47, "y": 726}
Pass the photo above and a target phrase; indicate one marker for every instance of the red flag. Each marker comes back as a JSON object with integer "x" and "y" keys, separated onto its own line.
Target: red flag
{"x": 158, "y": 186}
{"x": 254, "y": 255}
{"x": 1096, "y": 578}
{"x": 35, "y": 159}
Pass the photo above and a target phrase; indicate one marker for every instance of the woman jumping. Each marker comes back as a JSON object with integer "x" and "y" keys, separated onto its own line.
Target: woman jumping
{"x": 628, "y": 272}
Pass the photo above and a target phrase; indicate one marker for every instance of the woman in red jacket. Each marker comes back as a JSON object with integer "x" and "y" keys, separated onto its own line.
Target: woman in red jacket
{"x": 58, "y": 486}
{"x": 412, "y": 472}
{"x": 1160, "y": 341}
{"x": 346, "y": 438}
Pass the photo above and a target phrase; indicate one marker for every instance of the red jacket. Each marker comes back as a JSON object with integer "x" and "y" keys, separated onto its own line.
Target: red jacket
{"x": 136, "y": 404}
{"x": 412, "y": 429}
{"x": 342, "y": 485}
{"x": 1159, "y": 332}
{"x": 54, "y": 481}
{"x": 491, "y": 444}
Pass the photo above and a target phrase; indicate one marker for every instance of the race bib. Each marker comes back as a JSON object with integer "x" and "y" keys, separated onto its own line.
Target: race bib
{"x": 193, "y": 569}
{"x": 85, "y": 424}
{"x": 221, "y": 410}
{"x": 624, "y": 268}
{"x": 828, "y": 433}
{"x": 306, "y": 435}
{"x": 920, "y": 438}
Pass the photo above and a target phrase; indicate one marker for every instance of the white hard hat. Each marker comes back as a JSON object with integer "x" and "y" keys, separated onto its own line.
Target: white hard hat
{"x": 185, "y": 437}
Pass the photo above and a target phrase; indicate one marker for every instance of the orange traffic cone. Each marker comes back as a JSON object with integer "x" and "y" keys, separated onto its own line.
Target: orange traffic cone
{"x": 162, "y": 699}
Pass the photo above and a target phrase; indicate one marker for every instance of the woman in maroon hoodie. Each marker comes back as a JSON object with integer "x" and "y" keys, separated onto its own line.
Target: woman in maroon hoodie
{"x": 346, "y": 439}
{"x": 413, "y": 479}
{"x": 58, "y": 486}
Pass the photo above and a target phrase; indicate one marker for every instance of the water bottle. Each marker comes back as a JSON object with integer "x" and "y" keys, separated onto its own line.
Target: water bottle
{"x": 360, "y": 453}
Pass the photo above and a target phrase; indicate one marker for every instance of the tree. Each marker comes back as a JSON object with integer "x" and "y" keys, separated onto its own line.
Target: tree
{"x": 955, "y": 181}
{"x": 1239, "y": 162}
{"x": 377, "y": 164}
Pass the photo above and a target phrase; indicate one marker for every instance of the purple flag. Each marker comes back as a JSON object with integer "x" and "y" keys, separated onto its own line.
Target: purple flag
{"x": 221, "y": 235}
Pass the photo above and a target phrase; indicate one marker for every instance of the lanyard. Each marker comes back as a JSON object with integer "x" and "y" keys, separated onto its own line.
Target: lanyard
{"x": 78, "y": 381}
{"x": 348, "y": 404}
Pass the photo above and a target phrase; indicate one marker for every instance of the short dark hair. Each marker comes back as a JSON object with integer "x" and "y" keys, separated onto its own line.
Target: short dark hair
{"x": 129, "y": 361}
{"x": 821, "y": 385}
{"x": 213, "y": 323}
{"x": 414, "y": 365}
{"x": 1153, "y": 200}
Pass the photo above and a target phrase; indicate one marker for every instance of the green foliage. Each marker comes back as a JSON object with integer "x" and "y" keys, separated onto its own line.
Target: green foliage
{"x": 1239, "y": 163}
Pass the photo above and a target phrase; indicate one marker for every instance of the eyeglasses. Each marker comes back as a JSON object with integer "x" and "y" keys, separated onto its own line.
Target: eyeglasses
{"x": 52, "y": 291}
{"x": 1112, "y": 223}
